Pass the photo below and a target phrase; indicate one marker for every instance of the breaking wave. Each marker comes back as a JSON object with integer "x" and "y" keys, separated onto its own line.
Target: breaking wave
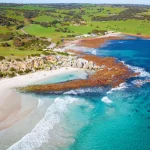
{"x": 52, "y": 132}
{"x": 122, "y": 86}
{"x": 106, "y": 100}
{"x": 141, "y": 71}
{"x": 94, "y": 52}
{"x": 40, "y": 134}
{"x": 83, "y": 91}
{"x": 143, "y": 75}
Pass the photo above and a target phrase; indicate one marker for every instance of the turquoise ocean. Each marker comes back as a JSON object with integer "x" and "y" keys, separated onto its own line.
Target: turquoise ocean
{"x": 97, "y": 118}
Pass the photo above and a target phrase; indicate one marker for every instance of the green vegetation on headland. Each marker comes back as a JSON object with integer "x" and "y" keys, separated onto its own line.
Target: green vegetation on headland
{"x": 45, "y": 60}
{"x": 35, "y": 29}
{"x": 14, "y": 44}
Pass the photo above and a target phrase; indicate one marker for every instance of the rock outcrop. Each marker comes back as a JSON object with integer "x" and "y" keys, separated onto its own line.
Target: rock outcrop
{"x": 51, "y": 62}
{"x": 109, "y": 73}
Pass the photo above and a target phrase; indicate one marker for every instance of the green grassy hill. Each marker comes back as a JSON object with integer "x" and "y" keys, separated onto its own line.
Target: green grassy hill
{"x": 59, "y": 21}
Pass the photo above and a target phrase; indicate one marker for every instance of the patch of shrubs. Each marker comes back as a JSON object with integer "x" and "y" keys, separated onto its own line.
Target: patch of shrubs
{"x": 17, "y": 59}
{"x": 38, "y": 69}
{"x": 12, "y": 69}
{"x": 6, "y": 37}
{"x": 7, "y": 74}
{"x": 27, "y": 70}
{"x": 19, "y": 26}
{"x": 6, "y": 44}
{"x": 46, "y": 53}
{"x": 34, "y": 55}
{"x": 96, "y": 31}
{"x": 12, "y": 74}
{"x": 20, "y": 72}
{"x": 63, "y": 53}
{"x": 1, "y": 75}
{"x": 2, "y": 58}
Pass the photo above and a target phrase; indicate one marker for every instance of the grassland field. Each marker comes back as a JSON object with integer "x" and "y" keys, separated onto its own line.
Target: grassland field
{"x": 48, "y": 14}
{"x": 129, "y": 26}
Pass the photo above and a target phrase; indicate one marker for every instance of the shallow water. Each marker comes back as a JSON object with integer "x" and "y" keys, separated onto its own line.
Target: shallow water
{"x": 62, "y": 77}
{"x": 94, "y": 118}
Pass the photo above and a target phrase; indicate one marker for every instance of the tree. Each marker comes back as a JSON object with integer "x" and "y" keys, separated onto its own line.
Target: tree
{"x": 30, "y": 14}
{"x": 19, "y": 26}
{"x": 5, "y": 44}
{"x": 2, "y": 58}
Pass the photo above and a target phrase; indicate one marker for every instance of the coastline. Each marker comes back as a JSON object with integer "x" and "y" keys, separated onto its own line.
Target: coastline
{"x": 141, "y": 36}
{"x": 13, "y": 111}
{"x": 90, "y": 42}
{"x": 98, "y": 41}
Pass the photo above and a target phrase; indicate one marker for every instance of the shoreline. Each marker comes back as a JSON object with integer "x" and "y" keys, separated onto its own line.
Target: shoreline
{"x": 96, "y": 42}
{"x": 13, "y": 111}
{"x": 90, "y": 42}
{"x": 141, "y": 36}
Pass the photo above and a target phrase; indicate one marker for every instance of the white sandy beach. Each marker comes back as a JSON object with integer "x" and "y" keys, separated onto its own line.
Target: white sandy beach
{"x": 15, "y": 106}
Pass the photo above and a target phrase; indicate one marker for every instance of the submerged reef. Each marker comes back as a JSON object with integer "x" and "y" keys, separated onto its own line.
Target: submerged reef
{"x": 97, "y": 42}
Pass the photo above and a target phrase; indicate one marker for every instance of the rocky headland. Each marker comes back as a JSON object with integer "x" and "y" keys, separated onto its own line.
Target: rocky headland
{"x": 108, "y": 72}
{"x": 52, "y": 62}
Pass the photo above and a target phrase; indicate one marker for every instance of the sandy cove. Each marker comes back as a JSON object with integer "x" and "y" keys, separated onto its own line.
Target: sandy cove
{"x": 15, "y": 106}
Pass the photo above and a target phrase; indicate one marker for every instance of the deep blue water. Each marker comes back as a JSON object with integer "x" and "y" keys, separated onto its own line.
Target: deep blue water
{"x": 134, "y": 52}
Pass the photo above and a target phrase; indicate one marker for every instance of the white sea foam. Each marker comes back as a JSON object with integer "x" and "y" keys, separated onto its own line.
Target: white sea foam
{"x": 40, "y": 133}
{"x": 82, "y": 91}
{"x": 106, "y": 100}
{"x": 94, "y": 52}
{"x": 141, "y": 71}
{"x": 40, "y": 103}
{"x": 140, "y": 82}
{"x": 122, "y": 86}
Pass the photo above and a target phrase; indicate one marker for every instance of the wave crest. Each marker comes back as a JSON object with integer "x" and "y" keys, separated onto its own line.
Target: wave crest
{"x": 40, "y": 134}
{"x": 53, "y": 131}
{"x": 142, "y": 71}
{"x": 106, "y": 100}
{"x": 82, "y": 91}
